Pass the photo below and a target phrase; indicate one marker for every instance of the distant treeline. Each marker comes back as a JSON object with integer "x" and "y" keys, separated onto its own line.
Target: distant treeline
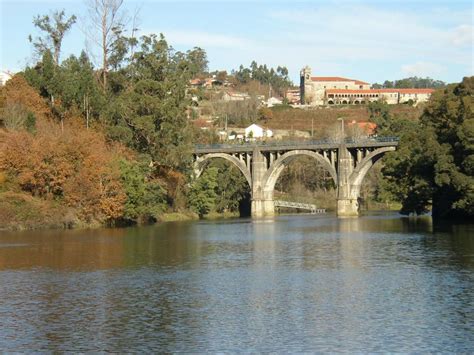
{"x": 411, "y": 82}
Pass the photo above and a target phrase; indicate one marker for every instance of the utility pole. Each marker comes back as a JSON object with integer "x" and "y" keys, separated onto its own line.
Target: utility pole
{"x": 342, "y": 128}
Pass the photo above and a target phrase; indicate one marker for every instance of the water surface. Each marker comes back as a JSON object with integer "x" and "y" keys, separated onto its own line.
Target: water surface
{"x": 288, "y": 284}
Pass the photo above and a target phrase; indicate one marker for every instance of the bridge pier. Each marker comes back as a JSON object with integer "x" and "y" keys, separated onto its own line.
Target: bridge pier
{"x": 347, "y": 196}
{"x": 347, "y": 207}
{"x": 262, "y": 200}
{"x": 263, "y": 208}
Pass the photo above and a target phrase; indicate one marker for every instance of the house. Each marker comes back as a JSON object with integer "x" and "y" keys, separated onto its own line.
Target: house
{"x": 212, "y": 82}
{"x": 195, "y": 82}
{"x": 293, "y": 96}
{"x": 255, "y": 132}
{"x": 364, "y": 127}
{"x": 272, "y": 101}
{"x": 235, "y": 96}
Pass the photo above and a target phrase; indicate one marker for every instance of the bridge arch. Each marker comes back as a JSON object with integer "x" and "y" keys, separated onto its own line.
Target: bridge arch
{"x": 358, "y": 175}
{"x": 271, "y": 175}
{"x": 202, "y": 161}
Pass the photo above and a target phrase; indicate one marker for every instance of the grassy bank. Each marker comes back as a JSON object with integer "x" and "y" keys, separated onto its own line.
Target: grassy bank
{"x": 20, "y": 211}
{"x": 216, "y": 215}
{"x": 178, "y": 216}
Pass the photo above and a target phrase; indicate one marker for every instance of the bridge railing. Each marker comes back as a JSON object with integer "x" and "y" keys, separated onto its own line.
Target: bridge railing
{"x": 299, "y": 143}
{"x": 299, "y": 205}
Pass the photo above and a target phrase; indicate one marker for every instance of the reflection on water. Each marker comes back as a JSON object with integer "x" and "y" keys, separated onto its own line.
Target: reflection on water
{"x": 288, "y": 284}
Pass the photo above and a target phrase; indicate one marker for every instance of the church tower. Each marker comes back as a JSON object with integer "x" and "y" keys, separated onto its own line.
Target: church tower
{"x": 305, "y": 76}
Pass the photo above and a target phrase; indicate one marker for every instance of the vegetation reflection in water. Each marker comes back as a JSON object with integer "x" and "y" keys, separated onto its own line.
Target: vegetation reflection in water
{"x": 293, "y": 283}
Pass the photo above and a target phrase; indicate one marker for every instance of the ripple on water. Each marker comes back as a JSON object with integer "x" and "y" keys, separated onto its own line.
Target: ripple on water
{"x": 290, "y": 284}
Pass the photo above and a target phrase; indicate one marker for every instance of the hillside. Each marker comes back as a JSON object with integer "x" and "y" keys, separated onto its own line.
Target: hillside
{"x": 325, "y": 118}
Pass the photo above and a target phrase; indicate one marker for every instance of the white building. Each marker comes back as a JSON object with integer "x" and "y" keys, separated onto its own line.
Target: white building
{"x": 313, "y": 88}
{"x": 255, "y": 132}
{"x": 272, "y": 101}
{"x": 235, "y": 96}
{"x": 390, "y": 96}
{"x": 334, "y": 90}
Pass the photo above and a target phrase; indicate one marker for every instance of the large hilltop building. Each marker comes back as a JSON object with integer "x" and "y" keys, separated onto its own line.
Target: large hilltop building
{"x": 334, "y": 90}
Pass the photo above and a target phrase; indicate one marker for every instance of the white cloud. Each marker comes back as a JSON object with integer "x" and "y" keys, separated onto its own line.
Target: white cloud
{"x": 365, "y": 41}
{"x": 463, "y": 36}
{"x": 356, "y": 34}
{"x": 422, "y": 69}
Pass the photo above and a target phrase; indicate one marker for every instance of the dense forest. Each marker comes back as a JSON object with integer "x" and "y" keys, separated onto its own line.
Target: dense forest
{"x": 82, "y": 145}
{"x": 110, "y": 144}
{"x": 433, "y": 168}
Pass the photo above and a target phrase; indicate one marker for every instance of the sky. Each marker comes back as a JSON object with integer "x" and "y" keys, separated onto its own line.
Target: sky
{"x": 371, "y": 41}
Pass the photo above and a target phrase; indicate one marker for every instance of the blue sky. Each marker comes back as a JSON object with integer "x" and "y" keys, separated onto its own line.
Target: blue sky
{"x": 366, "y": 40}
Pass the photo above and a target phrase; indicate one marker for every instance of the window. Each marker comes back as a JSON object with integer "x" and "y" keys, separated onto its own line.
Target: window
{"x": 360, "y": 86}
{"x": 346, "y": 87}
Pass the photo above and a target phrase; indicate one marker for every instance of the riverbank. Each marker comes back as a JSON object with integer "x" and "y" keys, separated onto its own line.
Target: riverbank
{"x": 20, "y": 211}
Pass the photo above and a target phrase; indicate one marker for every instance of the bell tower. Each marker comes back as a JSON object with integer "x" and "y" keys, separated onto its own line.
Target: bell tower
{"x": 305, "y": 76}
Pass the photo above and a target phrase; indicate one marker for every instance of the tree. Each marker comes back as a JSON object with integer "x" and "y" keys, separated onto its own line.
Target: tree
{"x": 145, "y": 196}
{"x": 379, "y": 113}
{"x": 265, "y": 114}
{"x": 434, "y": 164}
{"x": 202, "y": 195}
{"x": 411, "y": 82}
{"x": 232, "y": 187}
{"x": 15, "y": 116}
{"x": 55, "y": 28}
{"x": 274, "y": 80}
{"x": 80, "y": 88}
{"x": 107, "y": 22}
{"x": 150, "y": 114}
{"x": 198, "y": 62}
{"x": 17, "y": 92}
{"x": 46, "y": 77}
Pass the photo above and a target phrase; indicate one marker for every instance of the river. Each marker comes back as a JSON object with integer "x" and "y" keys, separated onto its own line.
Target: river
{"x": 299, "y": 283}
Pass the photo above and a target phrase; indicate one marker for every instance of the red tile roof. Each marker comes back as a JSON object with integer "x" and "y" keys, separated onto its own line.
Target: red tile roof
{"x": 368, "y": 127}
{"x": 337, "y": 78}
{"x": 350, "y": 91}
{"x": 414, "y": 91}
{"x": 195, "y": 81}
{"x": 380, "y": 91}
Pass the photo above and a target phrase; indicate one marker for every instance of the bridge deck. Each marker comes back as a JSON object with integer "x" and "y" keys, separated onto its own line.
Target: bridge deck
{"x": 292, "y": 145}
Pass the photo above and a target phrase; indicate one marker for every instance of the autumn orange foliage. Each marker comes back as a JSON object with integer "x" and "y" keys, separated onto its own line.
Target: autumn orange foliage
{"x": 74, "y": 164}
{"x": 17, "y": 90}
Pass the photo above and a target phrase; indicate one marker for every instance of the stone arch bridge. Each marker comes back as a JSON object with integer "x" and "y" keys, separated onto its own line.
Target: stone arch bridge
{"x": 262, "y": 163}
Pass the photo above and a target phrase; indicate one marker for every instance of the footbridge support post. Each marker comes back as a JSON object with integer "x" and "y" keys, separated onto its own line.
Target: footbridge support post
{"x": 262, "y": 200}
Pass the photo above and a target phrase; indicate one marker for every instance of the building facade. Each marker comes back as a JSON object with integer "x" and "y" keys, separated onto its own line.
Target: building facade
{"x": 334, "y": 90}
